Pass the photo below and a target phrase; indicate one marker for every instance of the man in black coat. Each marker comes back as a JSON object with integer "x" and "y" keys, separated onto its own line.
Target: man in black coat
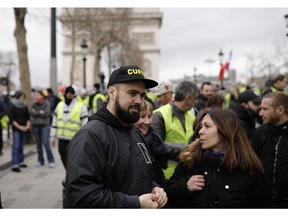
{"x": 206, "y": 91}
{"x": 270, "y": 142}
{"x": 108, "y": 162}
{"x": 247, "y": 107}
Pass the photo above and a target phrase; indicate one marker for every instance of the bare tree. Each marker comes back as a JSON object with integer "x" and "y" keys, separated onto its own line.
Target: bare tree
{"x": 20, "y": 35}
{"x": 8, "y": 63}
{"x": 105, "y": 29}
{"x": 269, "y": 62}
{"x": 72, "y": 18}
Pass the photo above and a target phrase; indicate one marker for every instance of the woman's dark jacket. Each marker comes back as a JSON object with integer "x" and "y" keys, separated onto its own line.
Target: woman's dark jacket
{"x": 222, "y": 189}
{"x": 108, "y": 165}
{"x": 271, "y": 144}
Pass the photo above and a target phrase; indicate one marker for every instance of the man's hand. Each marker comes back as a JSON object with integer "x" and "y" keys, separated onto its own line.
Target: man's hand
{"x": 148, "y": 201}
{"x": 160, "y": 196}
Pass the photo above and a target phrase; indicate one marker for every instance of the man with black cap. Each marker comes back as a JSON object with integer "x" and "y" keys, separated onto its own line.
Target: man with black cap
{"x": 68, "y": 117}
{"x": 108, "y": 160}
{"x": 247, "y": 108}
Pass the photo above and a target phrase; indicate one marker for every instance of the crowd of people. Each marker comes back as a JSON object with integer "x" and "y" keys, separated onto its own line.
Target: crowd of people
{"x": 145, "y": 144}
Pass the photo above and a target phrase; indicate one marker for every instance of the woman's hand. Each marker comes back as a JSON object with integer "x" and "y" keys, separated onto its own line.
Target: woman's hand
{"x": 196, "y": 183}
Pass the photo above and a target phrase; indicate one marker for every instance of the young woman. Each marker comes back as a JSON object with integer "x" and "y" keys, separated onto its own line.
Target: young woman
{"x": 158, "y": 150}
{"x": 40, "y": 119}
{"x": 219, "y": 169}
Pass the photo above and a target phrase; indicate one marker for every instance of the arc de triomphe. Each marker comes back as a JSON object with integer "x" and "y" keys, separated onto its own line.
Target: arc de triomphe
{"x": 145, "y": 26}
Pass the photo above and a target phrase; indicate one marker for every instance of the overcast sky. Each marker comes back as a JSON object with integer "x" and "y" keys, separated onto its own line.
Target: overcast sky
{"x": 188, "y": 37}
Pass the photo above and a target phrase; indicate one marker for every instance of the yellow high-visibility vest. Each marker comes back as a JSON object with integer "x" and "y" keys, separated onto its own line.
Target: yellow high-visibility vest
{"x": 5, "y": 121}
{"x": 95, "y": 107}
{"x": 175, "y": 133}
{"x": 73, "y": 124}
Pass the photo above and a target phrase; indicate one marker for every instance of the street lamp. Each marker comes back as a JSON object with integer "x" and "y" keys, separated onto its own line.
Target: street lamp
{"x": 221, "y": 56}
{"x": 84, "y": 48}
{"x": 286, "y": 20}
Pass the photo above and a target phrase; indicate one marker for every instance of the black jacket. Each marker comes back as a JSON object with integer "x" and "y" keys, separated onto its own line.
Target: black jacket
{"x": 221, "y": 190}
{"x": 18, "y": 112}
{"x": 159, "y": 154}
{"x": 271, "y": 145}
{"x": 201, "y": 101}
{"x": 245, "y": 116}
{"x": 108, "y": 165}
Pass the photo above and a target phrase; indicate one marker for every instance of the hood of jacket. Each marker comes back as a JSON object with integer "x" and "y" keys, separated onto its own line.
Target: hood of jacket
{"x": 106, "y": 116}
{"x": 18, "y": 103}
{"x": 243, "y": 114}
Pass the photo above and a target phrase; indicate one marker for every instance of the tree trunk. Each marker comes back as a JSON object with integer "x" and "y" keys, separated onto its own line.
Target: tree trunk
{"x": 20, "y": 35}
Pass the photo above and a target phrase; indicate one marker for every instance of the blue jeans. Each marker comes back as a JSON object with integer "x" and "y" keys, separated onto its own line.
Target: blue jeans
{"x": 19, "y": 139}
{"x": 41, "y": 133}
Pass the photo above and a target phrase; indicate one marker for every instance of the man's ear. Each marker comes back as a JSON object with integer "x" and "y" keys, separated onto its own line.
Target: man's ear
{"x": 281, "y": 109}
{"x": 112, "y": 92}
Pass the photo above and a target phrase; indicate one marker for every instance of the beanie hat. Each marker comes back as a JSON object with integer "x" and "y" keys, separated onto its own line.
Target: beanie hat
{"x": 69, "y": 89}
{"x": 130, "y": 73}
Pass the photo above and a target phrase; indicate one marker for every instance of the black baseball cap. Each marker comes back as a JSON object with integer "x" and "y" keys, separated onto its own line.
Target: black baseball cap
{"x": 249, "y": 95}
{"x": 130, "y": 73}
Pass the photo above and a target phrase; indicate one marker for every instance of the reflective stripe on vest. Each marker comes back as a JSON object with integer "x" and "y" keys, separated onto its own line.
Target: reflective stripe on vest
{"x": 73, "y": 124}
{"x": 95, "y": 107}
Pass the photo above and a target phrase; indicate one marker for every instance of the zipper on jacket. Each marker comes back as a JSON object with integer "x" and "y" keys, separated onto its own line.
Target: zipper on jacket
{"x": 274, "y": 168}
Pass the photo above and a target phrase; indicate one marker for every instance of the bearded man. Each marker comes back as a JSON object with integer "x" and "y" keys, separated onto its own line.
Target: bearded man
{"x": 108, "y": 161}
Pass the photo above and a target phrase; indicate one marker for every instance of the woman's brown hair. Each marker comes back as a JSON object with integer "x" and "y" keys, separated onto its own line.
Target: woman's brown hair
{"x": 238, "y": 152}
{"x": 215, "y": 101}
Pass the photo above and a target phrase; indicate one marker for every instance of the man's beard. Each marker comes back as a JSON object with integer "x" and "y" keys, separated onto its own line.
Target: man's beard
{"x": 273, "y": 120}
{"x": 126, "y": 116}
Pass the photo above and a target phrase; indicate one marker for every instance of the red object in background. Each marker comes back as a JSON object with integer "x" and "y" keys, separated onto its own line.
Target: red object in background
{"x": 222, "y": 70}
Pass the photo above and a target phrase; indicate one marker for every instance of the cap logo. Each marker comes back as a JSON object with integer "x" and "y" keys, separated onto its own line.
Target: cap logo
{"x": 135, "y": 71}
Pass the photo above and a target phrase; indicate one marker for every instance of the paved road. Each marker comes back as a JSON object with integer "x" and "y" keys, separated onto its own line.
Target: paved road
{"x": 34, "y": 187}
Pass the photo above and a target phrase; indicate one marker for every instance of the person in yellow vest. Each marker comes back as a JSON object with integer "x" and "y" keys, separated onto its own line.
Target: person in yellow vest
{"x": 174, "y": 122}
{"x": 96, "y": 100}
{"x": 278, "y": 84}
{"x": 83, "y": 97}
{"x": 3, "y": 117}
{"x": 68, "y": 118}
{"x": 242, "y": 88}
{"x": 230, "y": 96}
{"x": 152, "y": 97}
